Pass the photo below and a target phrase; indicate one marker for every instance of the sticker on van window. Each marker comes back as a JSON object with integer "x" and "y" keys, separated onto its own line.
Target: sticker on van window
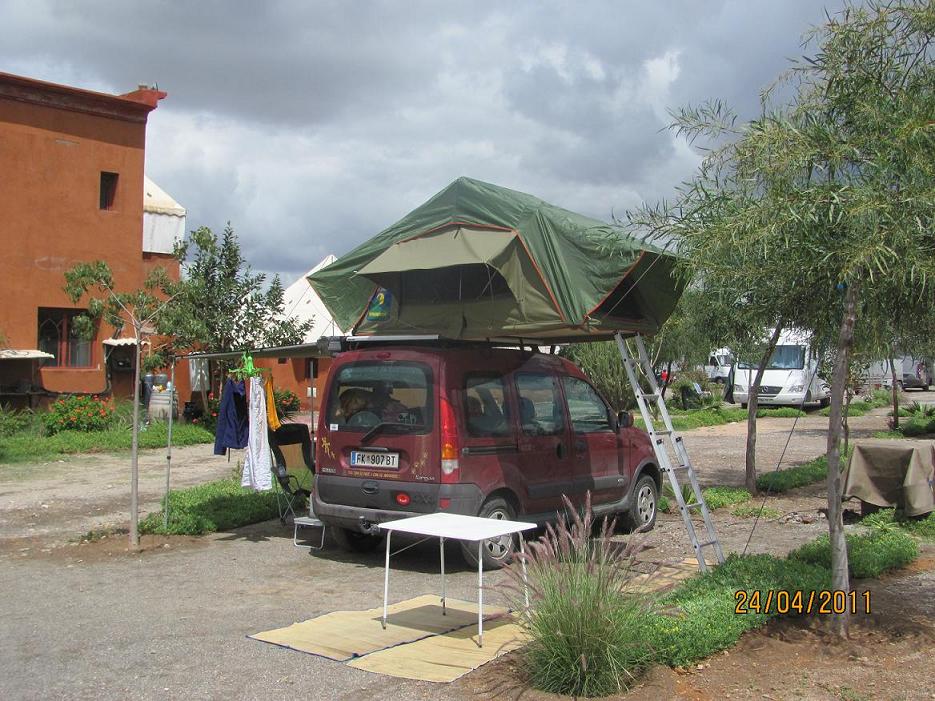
{"x": 380, "y": 305}
{"x": 332, "y": 427}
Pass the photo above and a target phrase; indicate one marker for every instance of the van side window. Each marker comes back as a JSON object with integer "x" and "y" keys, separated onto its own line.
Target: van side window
{"x": 585, "y": 407}
{"x": 485, "y": 406}
{"x": 540, "y": 405}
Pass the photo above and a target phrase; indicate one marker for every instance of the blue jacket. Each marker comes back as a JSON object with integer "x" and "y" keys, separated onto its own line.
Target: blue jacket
{"x": 233, "y": 429}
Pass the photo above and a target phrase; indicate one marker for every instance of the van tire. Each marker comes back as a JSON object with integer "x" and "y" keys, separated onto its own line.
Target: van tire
{"x": 643, "y": 506}
{"x": 355, "y": 541}
{"x": 500, "y": 508}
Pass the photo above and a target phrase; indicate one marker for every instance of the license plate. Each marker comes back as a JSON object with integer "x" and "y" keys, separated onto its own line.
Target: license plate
{"x": 388, "y": 461}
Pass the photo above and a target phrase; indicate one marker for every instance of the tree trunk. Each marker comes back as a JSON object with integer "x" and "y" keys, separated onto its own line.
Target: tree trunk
{"x": 753, "y": 392}
{"x": 135, "y": 451}
{"x": 840, "y": 623}
{"x": 895, "y": 395}
{"x": 844, "y": 425}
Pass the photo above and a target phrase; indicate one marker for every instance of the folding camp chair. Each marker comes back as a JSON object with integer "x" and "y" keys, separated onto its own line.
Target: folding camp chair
{"x": 290, "y": 492}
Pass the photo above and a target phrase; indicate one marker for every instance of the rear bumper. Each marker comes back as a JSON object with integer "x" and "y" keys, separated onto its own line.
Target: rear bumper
{"x": 360, "y": 504}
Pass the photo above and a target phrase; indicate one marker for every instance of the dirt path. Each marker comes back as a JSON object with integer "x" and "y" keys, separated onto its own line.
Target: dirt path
{"x": 53, "y": 502}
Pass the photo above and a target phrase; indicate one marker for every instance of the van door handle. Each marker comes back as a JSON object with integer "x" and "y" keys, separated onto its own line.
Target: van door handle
{"x": 559, "y": 450}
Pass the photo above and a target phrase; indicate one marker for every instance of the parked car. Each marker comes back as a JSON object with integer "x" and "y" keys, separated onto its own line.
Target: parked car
{"x": 483, "y": 431}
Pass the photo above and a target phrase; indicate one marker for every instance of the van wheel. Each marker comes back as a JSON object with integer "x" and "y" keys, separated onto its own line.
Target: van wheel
{"x": 355, "y": 541}
{"x": 642, "y": 511}
{"x": 497, "y": 552}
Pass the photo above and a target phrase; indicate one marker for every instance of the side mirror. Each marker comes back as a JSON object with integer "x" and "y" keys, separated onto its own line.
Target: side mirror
{"x": 624, "y": 419}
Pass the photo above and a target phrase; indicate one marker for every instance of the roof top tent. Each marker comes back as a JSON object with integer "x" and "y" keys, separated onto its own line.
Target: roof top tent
{"x": 481, "y": 262}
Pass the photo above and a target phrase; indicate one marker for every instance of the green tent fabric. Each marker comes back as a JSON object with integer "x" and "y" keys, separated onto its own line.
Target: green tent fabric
{"x": 479, "y": 261}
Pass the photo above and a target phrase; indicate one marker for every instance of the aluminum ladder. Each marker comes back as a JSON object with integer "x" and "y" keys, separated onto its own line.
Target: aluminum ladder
{"x": 682, "y": 463}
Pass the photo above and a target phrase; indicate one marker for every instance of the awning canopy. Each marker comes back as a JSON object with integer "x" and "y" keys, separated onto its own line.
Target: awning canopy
{"x": 306, "y": 350}
{"x": 478, "y": 262}
{"x": 15, "y": 354}
{"x": 121, "y": 342}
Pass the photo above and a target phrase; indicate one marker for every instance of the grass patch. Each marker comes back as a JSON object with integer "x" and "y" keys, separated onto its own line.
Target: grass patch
{"x": 868, "y": 555}
{"x": 27, "y": 447}
{"x": 921, "y": 526}
{"x": 210, "y": 507}
{"x": 798, "y": 476}
{"x": 714, "y": 497}
{"x": 718, "y": 497}
{"x": 699, "y": 619}
{"x": 780, "y": 412}
{"x": 858, "y": 407}
{"x": 751, "y": 510}
{"x": 591, "y": 640}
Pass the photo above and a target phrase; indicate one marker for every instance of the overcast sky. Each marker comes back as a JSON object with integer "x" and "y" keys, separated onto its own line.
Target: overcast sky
{"x": 311, "y": 126}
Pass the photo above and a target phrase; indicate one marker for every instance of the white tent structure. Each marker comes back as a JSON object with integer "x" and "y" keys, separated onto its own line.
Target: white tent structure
{"x": 303, "y": 303}
{"x": 163, "y": 219}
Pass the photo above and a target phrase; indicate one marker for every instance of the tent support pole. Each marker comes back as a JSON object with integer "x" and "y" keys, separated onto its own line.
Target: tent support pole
{"x": 171, "y": 419}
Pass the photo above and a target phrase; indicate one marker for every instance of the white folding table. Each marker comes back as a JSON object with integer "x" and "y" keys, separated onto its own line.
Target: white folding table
{"x": 455, "y": 527}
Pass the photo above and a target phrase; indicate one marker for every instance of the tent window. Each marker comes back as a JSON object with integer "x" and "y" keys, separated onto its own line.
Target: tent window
{"x": 465, "y": 283}
{"x": 58, "y": 336}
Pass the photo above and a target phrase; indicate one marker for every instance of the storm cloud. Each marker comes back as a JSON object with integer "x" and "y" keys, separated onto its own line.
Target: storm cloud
{"x": 311, "y": 126}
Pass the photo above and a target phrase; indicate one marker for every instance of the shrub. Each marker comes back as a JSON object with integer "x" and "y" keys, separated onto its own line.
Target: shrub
{"x": 585, "y": 624}
{"x": 868, "y": 555}
{"x": 210, "y": 507}
{"x": 857, "y": 407}
{"x": 13, "y": 421}
{"x": 78, "y": 413}
{"x": 917, "y": 426}
{"x": 798, "y": 476}
{"x": 287, "y": 402}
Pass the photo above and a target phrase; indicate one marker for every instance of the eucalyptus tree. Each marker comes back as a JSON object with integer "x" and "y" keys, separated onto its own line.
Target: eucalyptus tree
{"x": 821, "y": 211}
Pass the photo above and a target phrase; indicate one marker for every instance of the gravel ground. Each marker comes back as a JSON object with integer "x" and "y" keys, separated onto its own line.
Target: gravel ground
{"x": 89, "y": 620}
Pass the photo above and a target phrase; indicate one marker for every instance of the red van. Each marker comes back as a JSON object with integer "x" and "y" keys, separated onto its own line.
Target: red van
{"x": 476, "y": 430}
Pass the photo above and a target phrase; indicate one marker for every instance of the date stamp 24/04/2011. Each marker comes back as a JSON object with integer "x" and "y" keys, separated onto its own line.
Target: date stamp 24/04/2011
{"x": 782, "y": 602}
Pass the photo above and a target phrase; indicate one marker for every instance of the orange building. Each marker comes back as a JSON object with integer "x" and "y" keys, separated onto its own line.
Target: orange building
{"x": 72, "y": 191}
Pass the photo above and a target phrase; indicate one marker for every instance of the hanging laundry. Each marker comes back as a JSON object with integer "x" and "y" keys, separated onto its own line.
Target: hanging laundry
{"x": 257, "y": 464}
{"x": 271, "y": 414}
{"x": 232, "y": 418}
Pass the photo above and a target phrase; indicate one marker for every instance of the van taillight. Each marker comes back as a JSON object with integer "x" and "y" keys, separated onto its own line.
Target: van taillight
{"x": 449, "y": 443}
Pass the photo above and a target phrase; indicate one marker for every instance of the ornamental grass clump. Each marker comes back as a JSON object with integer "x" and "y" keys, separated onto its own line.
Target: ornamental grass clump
{"x": 584, "y": 621}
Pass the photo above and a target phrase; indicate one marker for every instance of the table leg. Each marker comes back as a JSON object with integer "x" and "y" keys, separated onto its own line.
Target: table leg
{"x": 441, "y": 549}
{"x": 480, "y": 593}
{"x": 522, "y": 558}
{"x": 386, "y": 577}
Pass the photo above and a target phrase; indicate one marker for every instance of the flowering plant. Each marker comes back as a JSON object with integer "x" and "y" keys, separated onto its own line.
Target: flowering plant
{"x": 78, "y": 413}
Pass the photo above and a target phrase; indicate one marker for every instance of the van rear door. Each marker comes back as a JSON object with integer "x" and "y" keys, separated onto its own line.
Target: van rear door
{"x": 379, "y": 419}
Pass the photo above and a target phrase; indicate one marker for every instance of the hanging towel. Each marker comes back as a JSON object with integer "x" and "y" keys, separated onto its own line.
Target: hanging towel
{"x": 271, "y": 415}
{"x": 232, "y": 418}
{"x": 257, "y": 464}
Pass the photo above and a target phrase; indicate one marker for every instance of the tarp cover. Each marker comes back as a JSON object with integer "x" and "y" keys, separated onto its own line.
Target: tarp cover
{"x": 893, "y": 474}
{"x": 478, "y": 261}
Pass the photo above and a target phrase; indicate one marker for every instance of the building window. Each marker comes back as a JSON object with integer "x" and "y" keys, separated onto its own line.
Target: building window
{"x": 108, "y": 190}
{"x": 58, "y": 336}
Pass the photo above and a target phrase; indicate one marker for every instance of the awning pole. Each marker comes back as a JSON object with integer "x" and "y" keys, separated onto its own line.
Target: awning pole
{"x": 172, "y": 395}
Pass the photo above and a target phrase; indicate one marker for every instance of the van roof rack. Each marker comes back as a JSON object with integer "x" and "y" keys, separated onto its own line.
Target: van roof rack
{"x": 332, "y": 345}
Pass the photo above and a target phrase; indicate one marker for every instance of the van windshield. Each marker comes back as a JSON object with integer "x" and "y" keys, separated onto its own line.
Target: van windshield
{"x": 783, "y": 358}
{"x": 370, "y": 393}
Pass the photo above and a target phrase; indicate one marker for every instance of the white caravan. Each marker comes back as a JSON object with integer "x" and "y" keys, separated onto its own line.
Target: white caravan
{"x": 717, "y": 369}
{"x": 791, "y": 376}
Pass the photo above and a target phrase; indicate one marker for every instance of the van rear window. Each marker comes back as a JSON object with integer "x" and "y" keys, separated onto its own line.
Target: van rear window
{"x": 369, "y": 393}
